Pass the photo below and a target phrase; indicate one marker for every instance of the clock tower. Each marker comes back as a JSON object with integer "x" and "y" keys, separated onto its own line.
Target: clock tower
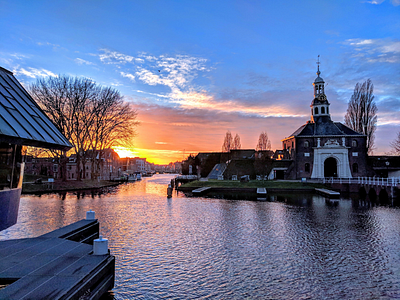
{"x": 320, "y": 105}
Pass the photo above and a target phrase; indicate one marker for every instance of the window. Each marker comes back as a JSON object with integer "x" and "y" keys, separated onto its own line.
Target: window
{"x": 316, "y": 110}
{"x": 306, "y": 144}
{"x": 307, "y": 168}
{"x": 327, "y": 110}
{"x": 355, "y": 168}
{"x": 354, "y": 143}
{"x": 322, "y": 110}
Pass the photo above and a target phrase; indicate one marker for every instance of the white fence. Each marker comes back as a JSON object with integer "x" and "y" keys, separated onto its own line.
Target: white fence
{"x": 378, "y": 181}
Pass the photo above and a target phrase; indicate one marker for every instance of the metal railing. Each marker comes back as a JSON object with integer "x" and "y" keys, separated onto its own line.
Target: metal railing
{"x": 378, "y": 181}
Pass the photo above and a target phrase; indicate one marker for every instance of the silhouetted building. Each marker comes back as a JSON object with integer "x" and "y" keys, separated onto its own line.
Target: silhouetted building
{"x": 323, "y": 148}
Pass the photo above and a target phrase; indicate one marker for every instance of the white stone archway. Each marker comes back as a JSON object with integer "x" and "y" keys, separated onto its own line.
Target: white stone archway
{"x": 331, "y": 149}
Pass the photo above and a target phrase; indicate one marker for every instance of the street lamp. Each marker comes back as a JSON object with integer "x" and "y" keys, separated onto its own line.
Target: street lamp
{"x": 387, "y": 168}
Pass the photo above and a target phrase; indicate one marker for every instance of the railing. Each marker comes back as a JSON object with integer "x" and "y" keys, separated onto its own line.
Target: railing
{"x": 378, "y": 181}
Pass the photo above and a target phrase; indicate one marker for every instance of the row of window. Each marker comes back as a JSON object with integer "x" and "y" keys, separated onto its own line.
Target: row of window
{"x": 354, "y": 167}
{"x": 322, "y": 110}
{"x": 307, "y": 144}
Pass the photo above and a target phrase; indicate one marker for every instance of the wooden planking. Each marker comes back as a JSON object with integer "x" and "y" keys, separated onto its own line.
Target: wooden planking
{"x": 48, "y": 267}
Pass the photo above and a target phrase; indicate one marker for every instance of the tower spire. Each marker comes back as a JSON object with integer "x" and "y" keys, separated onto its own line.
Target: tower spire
{"x": 318, "y": 62}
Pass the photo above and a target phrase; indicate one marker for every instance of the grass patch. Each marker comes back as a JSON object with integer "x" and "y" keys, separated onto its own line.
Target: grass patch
{"x": 254, "y": 184}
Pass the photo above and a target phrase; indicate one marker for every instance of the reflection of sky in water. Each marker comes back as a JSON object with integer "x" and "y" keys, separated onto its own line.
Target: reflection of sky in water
{"x": 185, "y": 248}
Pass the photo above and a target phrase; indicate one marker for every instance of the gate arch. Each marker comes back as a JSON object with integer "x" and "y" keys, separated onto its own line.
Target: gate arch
{"x": 330, "y": 167}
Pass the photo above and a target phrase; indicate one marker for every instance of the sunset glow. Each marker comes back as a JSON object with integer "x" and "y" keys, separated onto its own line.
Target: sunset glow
{"x": 194, "y": 71}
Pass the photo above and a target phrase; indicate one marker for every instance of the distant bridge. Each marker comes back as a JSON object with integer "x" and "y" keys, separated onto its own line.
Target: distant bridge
{"x": 371, "y": 186}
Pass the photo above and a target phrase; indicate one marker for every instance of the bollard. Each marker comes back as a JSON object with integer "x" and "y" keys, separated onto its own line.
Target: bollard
{"x": 100, "y": 246}
{"x": 169, "y": 191}
{"x": 90, "y": 215}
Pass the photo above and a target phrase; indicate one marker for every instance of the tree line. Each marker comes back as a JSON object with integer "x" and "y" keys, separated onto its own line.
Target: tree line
{"x": 231, "y": 143}
{"x": 92, "y": 117}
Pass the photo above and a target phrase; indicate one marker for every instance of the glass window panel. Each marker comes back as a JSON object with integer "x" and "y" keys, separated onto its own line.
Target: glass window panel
{"x": 20, "y": 131}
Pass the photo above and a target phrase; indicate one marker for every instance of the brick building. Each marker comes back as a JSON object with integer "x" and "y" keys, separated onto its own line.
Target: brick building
{"x": 323, "y": 148}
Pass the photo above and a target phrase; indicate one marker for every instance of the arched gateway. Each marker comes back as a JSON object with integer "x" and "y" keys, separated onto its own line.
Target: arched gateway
{"x": 323, "y": 148}
{"x": 330, "y": 167}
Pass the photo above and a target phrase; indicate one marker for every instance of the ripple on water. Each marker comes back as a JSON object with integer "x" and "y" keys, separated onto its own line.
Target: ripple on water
{"x": 199, "y": 248}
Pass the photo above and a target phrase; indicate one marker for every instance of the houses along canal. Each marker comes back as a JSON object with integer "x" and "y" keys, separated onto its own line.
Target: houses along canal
{"x": 189, "y": 248}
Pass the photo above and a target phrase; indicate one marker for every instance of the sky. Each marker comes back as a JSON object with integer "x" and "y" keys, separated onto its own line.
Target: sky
{"x": 197, "y": 69}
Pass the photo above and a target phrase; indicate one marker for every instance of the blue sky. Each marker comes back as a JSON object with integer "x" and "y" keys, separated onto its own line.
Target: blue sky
{"x": 195, "y": 69}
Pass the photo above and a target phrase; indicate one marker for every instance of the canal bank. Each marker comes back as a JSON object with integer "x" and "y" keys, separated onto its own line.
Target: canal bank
{"x": 297, "y": 246}
{"x": 46, "y": 187}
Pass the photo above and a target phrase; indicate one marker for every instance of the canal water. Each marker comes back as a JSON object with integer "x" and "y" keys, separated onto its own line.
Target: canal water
{"x": 290, "y": 247}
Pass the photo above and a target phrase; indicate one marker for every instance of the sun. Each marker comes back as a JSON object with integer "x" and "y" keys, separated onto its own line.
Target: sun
{"x": 125, "y": 152}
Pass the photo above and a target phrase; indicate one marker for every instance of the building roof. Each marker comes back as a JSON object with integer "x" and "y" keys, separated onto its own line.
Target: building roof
{"x": 325, "y": 128}
{"x": 22, "y": 121}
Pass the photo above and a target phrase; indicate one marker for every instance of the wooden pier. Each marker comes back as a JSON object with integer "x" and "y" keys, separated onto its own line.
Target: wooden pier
{"x": 200, "y": 191}
{"x": 328, "y": 193}
{"x": 56, "y": 265}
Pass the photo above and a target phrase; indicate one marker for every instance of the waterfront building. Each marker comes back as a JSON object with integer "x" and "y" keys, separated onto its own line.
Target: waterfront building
{"x": 22, "y": 123}
{"x": 324, "y": 148}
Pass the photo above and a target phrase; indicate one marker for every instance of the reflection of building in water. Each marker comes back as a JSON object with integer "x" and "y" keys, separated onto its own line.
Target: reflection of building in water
{"x": 323, "y": 148}
{"x": 22, "y": 123}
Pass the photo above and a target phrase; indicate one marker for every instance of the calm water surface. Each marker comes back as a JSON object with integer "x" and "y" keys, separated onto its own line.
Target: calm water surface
{"x": 199, "y": 248}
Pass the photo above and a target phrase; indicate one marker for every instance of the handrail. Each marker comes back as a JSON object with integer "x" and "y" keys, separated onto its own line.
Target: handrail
{"x": 377, "y": 181}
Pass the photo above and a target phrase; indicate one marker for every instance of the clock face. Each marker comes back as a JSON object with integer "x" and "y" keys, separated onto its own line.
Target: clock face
{"x": 322, "y": 97}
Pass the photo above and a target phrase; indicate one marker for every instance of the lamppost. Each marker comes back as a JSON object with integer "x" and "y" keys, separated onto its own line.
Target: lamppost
{"x": 387, "y": 168}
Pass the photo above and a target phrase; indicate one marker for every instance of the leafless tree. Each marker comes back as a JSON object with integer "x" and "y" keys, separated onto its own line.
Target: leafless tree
{"x": 362, "y": 111}
{"x": 236, "y": 143}
{"x": 263, "y": 142}
{"x": 92, "y": 117}
{"x": 396, "y": 144}
{"x": 228, "y": 142}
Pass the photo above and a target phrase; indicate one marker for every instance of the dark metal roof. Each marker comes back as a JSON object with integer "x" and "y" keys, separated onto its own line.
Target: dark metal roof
{"x": 22, "y": 121}
{"x": 325, "y": 127}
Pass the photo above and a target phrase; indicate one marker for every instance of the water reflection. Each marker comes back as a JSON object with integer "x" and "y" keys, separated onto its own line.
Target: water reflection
{"x": 288, "y": 247}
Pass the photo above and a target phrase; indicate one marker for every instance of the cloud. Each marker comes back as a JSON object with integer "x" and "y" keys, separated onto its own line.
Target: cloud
{"x": 127, "y": 75}
{"x": 113, "y": 57}
{"x": 377, "y": 2}
{"x": 376, "y": 50}
{"x": 33, "y": 73}
{"x": 81, "y": 61}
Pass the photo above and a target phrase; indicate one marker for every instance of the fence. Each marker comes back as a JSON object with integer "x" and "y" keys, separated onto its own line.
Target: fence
{"x": 378, "y": 181}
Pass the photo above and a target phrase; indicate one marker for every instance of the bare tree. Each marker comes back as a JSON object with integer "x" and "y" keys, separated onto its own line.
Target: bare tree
{"x": 396, "y": 144}
{"x": 362, "y": 111}
{"x": 236, "y": 143}
{"x": 90, "y": 116}
{"x": 263, "y": 142}
{"x": 228, "y": 142}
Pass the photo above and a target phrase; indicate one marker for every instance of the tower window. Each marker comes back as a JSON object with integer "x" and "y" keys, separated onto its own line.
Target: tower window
{"x": 322, "y": 110}
{"x": 307, "y": 168}
{"x": 327, "y": 110}
{"x": 306, "y": 144}
{"x": 316, "y": 111}
{"x": 354, "y": 143}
